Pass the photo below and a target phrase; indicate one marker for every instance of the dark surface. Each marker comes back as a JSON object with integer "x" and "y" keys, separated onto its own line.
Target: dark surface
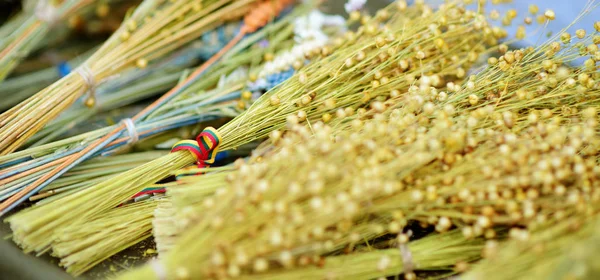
{"x": 16, "y": 265}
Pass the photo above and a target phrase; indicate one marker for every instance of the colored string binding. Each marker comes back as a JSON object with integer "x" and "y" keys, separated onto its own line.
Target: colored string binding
{"x": 204, "y": 149}
{"x": 88, "y": 78}
{"x": 407, "y": 258}
{"x": 159, "y": 269}
{"x": 46, "y": 12}
{"x": 131, "y": 130}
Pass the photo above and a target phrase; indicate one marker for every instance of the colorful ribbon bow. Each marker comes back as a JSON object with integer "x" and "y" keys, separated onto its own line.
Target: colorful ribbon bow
{"x": 204, "y": 149}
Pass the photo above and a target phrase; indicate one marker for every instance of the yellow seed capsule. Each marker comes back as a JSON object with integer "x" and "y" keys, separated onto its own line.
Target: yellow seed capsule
{"x": 492, "y": 60}
{"x": 355, "y": 16}
{"x": 305, "y": 99}
{"x": 297, "y": 64}
{"x": 124, "y": 35}
{"x": 90, "y": 102}
{"x": 141, "y": 63}
{"x": 326, "y": 117}
{"x": 520, "y": 32}
{"x": 401, "y": 5}
{"x": 349, "y": 62}
{"x": 375, "y": 84}
{"x": 533, "y": 9}
{"x": 302, "y": 78}
{"x": 274, "y": 100}
{"x": 268, "y": 56}
{"x": 360, "y": 56}
{"x": 592, "y": 49}
{"x": 301, "y": 115}
{"x": 75, "y": 22}
{"x": 565, "y": 38}
{"x": 102, "y": 10}
{"x": 528, "y": 20}
{"x": 253, "y": 77}
{"x": 503, "y": 48}
{"x": 380, "y": 42}
{"x": 580, "y": 33}
{"x": 550, "y": 15}
{"x": 420, "y": 55}
{"x": 597, "y": 26}
{"x": 512, "y": 13}
{"x": 131, "y": 25}
{"x": 494, "y": 15}
{"x": 246, "y": 95}
{"x": 541, "y": 19}
{"x": 241, "y": 104}
{"x": 330, "y": 103}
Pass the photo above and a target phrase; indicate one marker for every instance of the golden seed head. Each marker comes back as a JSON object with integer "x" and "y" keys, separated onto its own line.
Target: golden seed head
{"x": 528, "y": 20}
{"x": 375, "y": 84}
{"x": 102, "y": 10}
{"x": 355, "y": 16}
{"x": 246, "y": 95}
{"x": 297, "y": 64}
{"x": 420, "y": 55}
{"x": 274, "y": 100}
{"x": 326, "y": 117}
{"x": 75, "y": 21}
{"x": 549, "y": 14}
{"x": 241, "y": 104}
{"x": 260, "y": 265}
{"x": 330, "y": 103}
{"x": 305, "y": 99}
{"x": 360, "y": 56}
{"x": 580, "y": 33}
{"x": 302, "y": 78}
{"x": 565, "y": 38}
{"x": 541, "y": 19}
{"x": 521, "y": 33}
{"x": 533, "y": 9}
{"x": 403, "y": 238}
{"x": 253, "y": 77}
{"x": 141, "y": 63}
{"x": 494, "y": 14}
{"x": 124, "y": 35}
{"x": 131, "y": 25}
{"x": 401, "y": 5}
{"x": 268, "y": 56}
{"x": 90, "y": 102}
{"x": 597, "y": 26}
{"x": 301, "y": 115}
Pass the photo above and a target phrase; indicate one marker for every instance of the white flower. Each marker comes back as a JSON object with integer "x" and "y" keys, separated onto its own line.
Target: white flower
{"x": 354, "y": 5}
{"x": 309, "y": 35}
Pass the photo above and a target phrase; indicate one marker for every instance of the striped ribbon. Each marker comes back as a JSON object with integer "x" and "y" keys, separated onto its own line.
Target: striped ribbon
{"x": 204, "y": 149}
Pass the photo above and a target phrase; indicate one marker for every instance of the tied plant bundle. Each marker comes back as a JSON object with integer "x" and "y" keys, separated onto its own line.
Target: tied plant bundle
{"x": 254, "y": 20}
{"x": 278, "y": 217}
{"x": 137, "y": 84}
{"x": 70, "y": 249}
{"x": 219, "y": 94}
{"x": 472, "y": 166}
{"x": 386, "y": 59}
{"x": 26, "y": 31}
{"x": 153, "y": 30}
